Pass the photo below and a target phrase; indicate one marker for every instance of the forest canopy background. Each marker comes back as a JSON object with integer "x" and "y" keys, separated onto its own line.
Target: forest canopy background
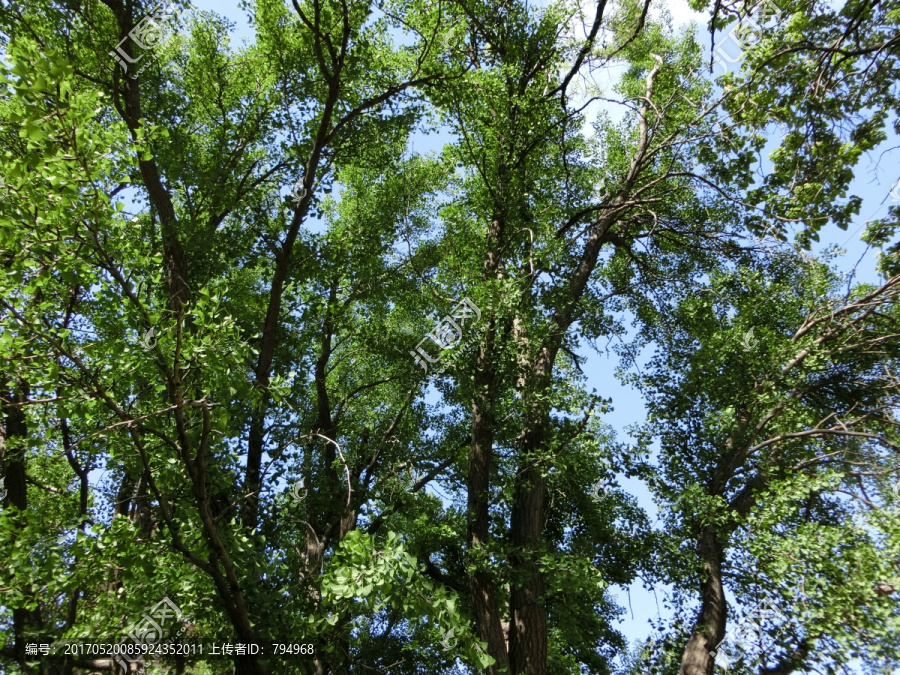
{"x": 264, "y": 359}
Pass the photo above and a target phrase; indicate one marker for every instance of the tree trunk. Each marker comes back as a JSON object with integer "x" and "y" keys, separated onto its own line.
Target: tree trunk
{"x": 481, "y": 453}
{"x": 481, "y": 584}
{"x": 709, "y": 629}
{"x": 248, "y": 665}
{"x": 528, "y": 624}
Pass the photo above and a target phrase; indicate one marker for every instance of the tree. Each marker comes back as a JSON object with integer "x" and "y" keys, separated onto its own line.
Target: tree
{"x": 784, "y": 408}
{"x": 232, "y": 376}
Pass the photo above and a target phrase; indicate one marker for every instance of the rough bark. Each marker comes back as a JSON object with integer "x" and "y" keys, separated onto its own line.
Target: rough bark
{"x": 709, "y": 629}
{"x": 481, "y": 584}
{"x": 528, "y": 624}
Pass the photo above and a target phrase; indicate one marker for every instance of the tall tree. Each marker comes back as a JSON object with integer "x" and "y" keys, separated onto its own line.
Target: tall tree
{"x": 782, "y": 420}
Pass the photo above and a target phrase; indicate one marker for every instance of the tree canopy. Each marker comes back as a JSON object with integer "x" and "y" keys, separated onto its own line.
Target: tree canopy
{"x": 271, "y": 375}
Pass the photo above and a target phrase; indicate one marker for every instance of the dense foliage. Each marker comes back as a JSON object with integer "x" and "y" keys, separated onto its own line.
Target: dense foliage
{"x": 220, "y": 266}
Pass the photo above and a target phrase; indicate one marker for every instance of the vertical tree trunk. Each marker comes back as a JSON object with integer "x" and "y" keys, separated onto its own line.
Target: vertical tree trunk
{"x": 484, "y": 596}
{"x": 528, "y": 618}
{"x": 709, "y": 629}
{"x": 528, "y": 624}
